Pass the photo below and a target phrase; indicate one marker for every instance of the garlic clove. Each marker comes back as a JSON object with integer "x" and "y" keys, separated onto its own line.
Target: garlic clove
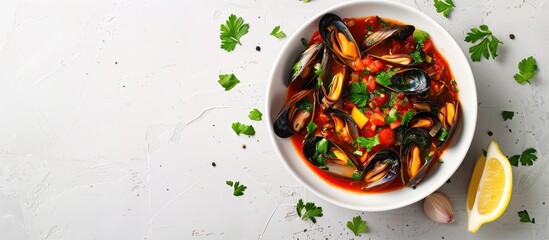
{"x": 438, "y": 208}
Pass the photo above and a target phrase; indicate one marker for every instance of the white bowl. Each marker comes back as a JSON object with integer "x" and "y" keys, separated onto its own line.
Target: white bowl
{"x": 276, "y": 92}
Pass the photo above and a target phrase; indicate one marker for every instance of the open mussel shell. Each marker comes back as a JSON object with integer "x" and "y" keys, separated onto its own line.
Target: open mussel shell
{"x": 335, "y": 160}
{"x": 448, "y": 115}
{"x": 344, "y": 125}
{"x": 410, "y": 81}
{"x": 399, "y": 32}
{"x": 400, "y": 60}
{"x": 303, "y": 67}
{"x": 426, "y": 120}
{"x": 295, "y": 114}
{"x": 339, "y": 39}
{"x": 414, "y": 159}
{"x": 381, "y": 169}
{"x": 332, "y": 88}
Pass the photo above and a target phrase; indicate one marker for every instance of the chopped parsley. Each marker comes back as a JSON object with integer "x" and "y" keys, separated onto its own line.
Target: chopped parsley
{"x": 488, "y": 45}
{"x": 507, "y": 115}
{"x": 356, "y": 175}
{"x": 444, "y": 7}
{"x": 358, "y": 225}
{"x": 527, "y": 70}
{"x": 311, "y": 127}
{"x": 359, "y": 94}
{"x": 255, "y": 115}
{"x": 305, "y": 105}
{"x": 526, "y": 158}
{"x": 311, "y": 211}
{"x": 305, "y": 43}
{"x": 232, "y": 31}
{"x": 416, "y": 55}
{"x": 420, "y": 37}
{"x": 383, "y": 23}
{"x": 443, "y": 134}
{"x": 384, "y": 77}
{"x": 228, "y": 81}
{"x": 238, "y": 188}
{"x": 318, "y": 69}
{"x": 525, "y": 217}
{"x": 392, "y": 116}
{"x": 368, "y": 143}
{"x": 407, "y": 117}
{"x": 277, "y": 33}
{"x": 240, "y": 128}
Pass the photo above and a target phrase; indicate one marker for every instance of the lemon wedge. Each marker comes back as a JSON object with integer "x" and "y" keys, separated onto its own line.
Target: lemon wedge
{"x": 490, "y": 188}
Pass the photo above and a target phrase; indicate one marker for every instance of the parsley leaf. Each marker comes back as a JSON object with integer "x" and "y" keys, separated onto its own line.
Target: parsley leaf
{"x": 384, "y": 77}
{"x": 407, "y": 117}
{"x": 528, "y": 157}
{"x": 393, "y": 116}
{"x": 305, "y": 43}
{"x": 420, "y": 36}
{"x": 238, "y": 189}
{"x": 444, "y": 7}
{"x": 383, "y": 23}
{"x": 527, "y": 70}
{"x": 487, "y": 47}
{"x": 368, "y": 143}
{"x": 255, "y": 115}
{"x": 311, "y": 211}
{"x": 507, "y": 115}
{"x": 231, "y": 33}
{"x": 277, "y": 33}
{"x": 318, "y": 69}
{"x": 311, "y": 127}
{"x": 357, "y": 225}
{"x": 525, "y": 217}
{"x": 443, "y": 134}
{"x": 416, "y": 55}
{"x": 243, "y": 128}
{"x": 359, "y": 94}
{"x": 305, "y": 105}
{"x": 228, "y": 81}
{"x": 514, "y": 160}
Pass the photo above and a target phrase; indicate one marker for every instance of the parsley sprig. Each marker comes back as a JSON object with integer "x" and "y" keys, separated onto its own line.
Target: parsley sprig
{"x": 277, "y": 33}
{"x": 444, "y": 7}
{"x": 368, "y": 143}
{"x": 231, "y": 32}
{"x": 527, "y": 70}
{"x": 525, "y": 217}
{"x": 358, "y": 225}
{"x": 240, "y": 128}
{"x": 311, "y": 211}
{"x": 384, "y": 77}
{"x": 359, "y": 94}
{"x": 507, "y": 115}
{"x": 488, "y": 45}
{"x": 228, "y": 81}
{"x": 238, "y": 188}
{"x": 255, "y": 115}
{"x": 526, "y": 158}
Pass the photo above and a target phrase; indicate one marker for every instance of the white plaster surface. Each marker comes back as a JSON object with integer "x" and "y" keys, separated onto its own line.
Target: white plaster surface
{"x": 111, "y": 117}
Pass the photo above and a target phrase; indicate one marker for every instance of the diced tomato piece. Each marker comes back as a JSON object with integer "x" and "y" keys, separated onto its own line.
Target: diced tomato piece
{"x": 387, "y": 137}
{"x": 371, "y": 83}
{"x": 316, "y": 38}
{"x": 359, "y": 66}
{"x": 381, "y": 99}
{"x": 409, "y": 44}
{"x": 427, "y": 45}
{"x": 395, "y": 124}
{"x": 377, "y": 119}
{"x": 371, "y": 21}
{"x": 367, "y": 61}
{"x": 376, "y": 66}
{"x": 348, "y": 105}
{"x": 322, "y": 118}
{"x": 368, "y": 131}
{"x": 395, "y": 46}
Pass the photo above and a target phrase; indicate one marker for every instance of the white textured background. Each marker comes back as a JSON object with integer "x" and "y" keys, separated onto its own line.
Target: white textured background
{"x": 111, "y": 117}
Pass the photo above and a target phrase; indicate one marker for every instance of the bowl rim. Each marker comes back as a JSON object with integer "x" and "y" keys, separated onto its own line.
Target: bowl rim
{"x": 279, "y": 58}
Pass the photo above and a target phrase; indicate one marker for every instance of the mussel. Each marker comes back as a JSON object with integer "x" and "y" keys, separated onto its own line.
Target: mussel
{"x": 339, "y": 39}
{"x": 381, "y": 169}
{"x": 448, "y": 116}
{"x": 332, "y": 158}
{"x": 416, "y": 159}
{"x": 410, "y": 81}
{"x": 399, "y": 32}
{"x": 426, "y": 120}
{"x": 401, "y": 60}
{"x": 344, "y": 125}
{"x": 332, "y": 88}
{"x": 302, "y": 69}
{"x": 295, "y": 114}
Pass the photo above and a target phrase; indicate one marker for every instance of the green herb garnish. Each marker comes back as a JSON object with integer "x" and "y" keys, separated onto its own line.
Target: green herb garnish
{"x": 255, "y": 115}
{"x": 359, "y": 94}
{"x": 232, "y": 31}
{"x": 238, "y": 188}
{"x": 305, "y": 105}
{"x": 383, "y": 23}
{"x": 358, "y": 225}
{"x": 488, "y": 46}
{"x": 443, "y": 134}
{"x": 311, "y": 127}
{"x": 527, "y": 157}
{"x": 392, "y": 116}
{"x": 305, "y": 43}
{"x": 384, "y": 77}
{"x": 525, "y": 217}
{"x": 407, "y": 117}
{"x": 444, "y": 7}
{"x": 416, "y": 55}
{"x": 527, "y": 70}
{"x": 228, "y": 81}
{"x": 420, "y": 37}
{"x": 243, "y": 128}
{"x": 507, "y": 115}
{"x": 311, "y": 211}
{"x": 368, "y": 143}
{"x": 277, "y": 33}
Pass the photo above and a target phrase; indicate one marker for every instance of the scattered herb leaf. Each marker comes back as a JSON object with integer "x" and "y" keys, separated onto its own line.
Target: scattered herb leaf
{"x": 443, "y": 134}
{"x": 255, "y": 115}
{"x": 232, "y": 31}
{"x": 488, "y": 45}
{"x": 384, "y": 77}
{"x": 368, "y": 143}
{"x": 357, "y": 225}
{"x": 238, "y": 188}
{"x": 392, "y": 116}
{"x": 318, "y": 69}
{"x": 277, "y": 33}
{"x": 305, "y": 43}
{"x": 243, "y": 128}
{"x": 416, "y": 55}
{"x": 305, "y": 105}
{"x": 311, "y": 211}
{"x": 444, "y": 7}
{"x": 420, "y": 36}
{"x": 527, "y": 70}
{"x": 311, "y": 127}
{"x": 407, "y": 117}
{"x": 228, "y": 81}
{"x": 359, "y": 94}
{"x": 514, "y": 160}
{"x": 383, "y": 23}
{"x": 507, "y": 115}
{"x": 525, "y": 217}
